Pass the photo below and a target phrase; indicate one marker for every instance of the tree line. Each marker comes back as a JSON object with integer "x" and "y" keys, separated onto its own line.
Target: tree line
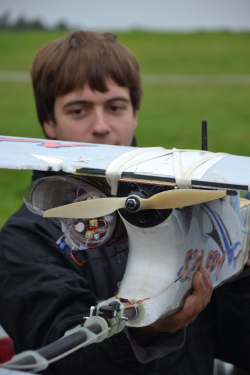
{"x": 22, "y": 24}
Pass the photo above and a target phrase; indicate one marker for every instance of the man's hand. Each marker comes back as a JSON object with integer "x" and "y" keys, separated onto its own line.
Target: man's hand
{"x": 194, "y": 304}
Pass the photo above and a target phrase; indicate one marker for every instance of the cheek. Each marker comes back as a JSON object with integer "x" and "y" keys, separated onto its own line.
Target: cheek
{"x": 69, "y": 132}
{"x": 71, "y": 127}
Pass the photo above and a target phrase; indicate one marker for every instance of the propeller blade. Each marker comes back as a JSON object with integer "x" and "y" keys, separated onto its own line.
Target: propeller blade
{"x": 180, "y": 198}
{"x": 87, "y": 209}
{"x": 165, "y": 200}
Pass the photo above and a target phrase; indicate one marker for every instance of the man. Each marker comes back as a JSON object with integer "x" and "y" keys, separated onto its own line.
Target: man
{"x": 87, "y": 88}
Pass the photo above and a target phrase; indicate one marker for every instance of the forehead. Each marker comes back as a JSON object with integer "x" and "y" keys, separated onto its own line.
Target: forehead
{"x": 113, "y": 92}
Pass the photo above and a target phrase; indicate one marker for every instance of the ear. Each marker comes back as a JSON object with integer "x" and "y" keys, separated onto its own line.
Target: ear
{"x": 135, "y": 120}
{"x": 49, "y": 129}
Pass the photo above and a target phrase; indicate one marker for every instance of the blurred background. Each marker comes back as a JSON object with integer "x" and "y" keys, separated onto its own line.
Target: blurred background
{"x": 195, "y": 64}
{"x": 194, "y": 59}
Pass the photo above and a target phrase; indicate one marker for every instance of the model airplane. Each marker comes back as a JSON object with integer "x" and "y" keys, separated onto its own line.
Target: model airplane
{"x": 181, "y": 210}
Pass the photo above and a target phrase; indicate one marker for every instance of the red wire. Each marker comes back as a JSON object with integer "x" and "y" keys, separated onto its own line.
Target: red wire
{"x": 85, "y": 261}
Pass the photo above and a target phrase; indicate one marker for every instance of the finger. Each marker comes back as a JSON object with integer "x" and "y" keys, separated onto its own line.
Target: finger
{"x": 208, "y": 286}
{"x": 197, "y": 307}
{"x": 194, "y": 304}
{"x": 189, "y": 313}
{"x": 191, "y": 310}
{"x": 180, "y": 319}
{"x": 199, "y": 291}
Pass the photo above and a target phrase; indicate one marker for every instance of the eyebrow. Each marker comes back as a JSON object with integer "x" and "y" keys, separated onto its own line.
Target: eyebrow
{"x": 74, "y": 102}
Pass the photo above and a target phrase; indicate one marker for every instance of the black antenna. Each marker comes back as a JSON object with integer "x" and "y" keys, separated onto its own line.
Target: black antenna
{"x": 204, "y": 135}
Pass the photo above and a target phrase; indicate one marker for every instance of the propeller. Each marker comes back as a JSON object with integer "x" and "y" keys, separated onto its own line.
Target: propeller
{"x": 104, "y": 206}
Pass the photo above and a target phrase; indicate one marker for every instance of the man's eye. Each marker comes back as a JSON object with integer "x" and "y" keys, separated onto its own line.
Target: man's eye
{"x": 78, "y": 111}
{"x": 116, "y": 108}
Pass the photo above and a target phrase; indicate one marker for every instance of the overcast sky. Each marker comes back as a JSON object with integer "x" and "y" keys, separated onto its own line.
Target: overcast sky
{"x": 131, "y": 14}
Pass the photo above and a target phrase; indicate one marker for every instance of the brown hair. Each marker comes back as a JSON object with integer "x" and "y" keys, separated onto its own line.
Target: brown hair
{"x": 66, "y": 64}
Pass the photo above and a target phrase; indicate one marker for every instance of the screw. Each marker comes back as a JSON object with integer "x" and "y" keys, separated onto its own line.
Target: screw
{"x": 156, "y": 217}
{"x": 158, "y": 189}
{"x": 131, "y": 203}
{"x": 132, "y": 186}
{"x": 142, "y": 219}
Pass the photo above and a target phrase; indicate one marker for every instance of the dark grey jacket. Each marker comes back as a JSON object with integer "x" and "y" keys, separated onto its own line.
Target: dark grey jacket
{"x": 43, "y": 293}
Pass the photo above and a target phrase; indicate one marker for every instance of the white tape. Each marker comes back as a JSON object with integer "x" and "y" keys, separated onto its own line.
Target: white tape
{"x": 127, "y": 160}
{"x": 202, "y": 169}
{"x": 178, "y": 171}
{"x": 183, "y": 178}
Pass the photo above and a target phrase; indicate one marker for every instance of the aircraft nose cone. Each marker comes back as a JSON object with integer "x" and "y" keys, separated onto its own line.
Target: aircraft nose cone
{"x": 132, "y": 204}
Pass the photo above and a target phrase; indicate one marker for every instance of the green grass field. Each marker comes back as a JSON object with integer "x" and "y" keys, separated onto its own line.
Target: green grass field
{"x": 171, "y": 114}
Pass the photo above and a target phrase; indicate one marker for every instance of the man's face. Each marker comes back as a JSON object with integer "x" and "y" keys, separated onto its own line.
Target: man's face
{"x": 95, "y": 117}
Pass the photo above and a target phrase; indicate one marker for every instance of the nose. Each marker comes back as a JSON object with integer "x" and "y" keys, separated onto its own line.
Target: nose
{"x": 100, "y": 125}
